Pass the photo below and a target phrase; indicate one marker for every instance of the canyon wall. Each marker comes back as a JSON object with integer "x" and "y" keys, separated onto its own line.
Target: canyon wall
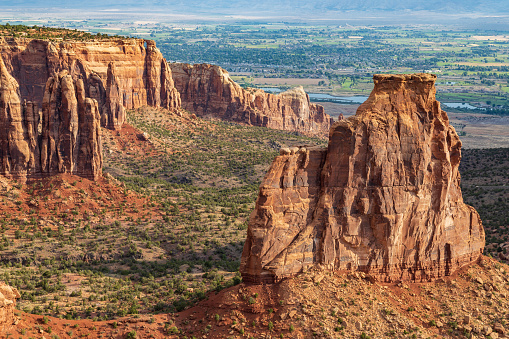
{"x": 79, "y": 85}
{"x": 65, "y": 140}
{"x": 208, "y": 91}
{"x": 118, "y": 73}
{"x": 8, "y": 296}
{"x": 384, "y": 197}
{"x": 76, "y": 82}
{"x": 122, "y": 74}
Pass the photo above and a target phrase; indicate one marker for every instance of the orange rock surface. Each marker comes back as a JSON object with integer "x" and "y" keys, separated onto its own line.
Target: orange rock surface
{"x": 8, "y": 296}
{"x": 120, "y": 74}
{"x": 208, "y": 90}
{"x": 384, "y": 197}
{"x": 71, "y": 131}
{"x": 68, "y": 140}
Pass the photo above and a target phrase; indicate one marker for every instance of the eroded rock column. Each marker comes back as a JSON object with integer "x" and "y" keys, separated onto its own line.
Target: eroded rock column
{"x": 388, "y": 200}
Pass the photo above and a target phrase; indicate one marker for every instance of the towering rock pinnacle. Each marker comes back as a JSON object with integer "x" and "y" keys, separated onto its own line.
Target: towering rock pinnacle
{"x": 113, "y": 115}
{"x": 69, "y": 141}
{"x": 383, "y": 198}
{"x": 89, "y": 156}
{"x": 60, "y": 125}
{"x": 14, "y": 149}
{"x": 170, "y": 97}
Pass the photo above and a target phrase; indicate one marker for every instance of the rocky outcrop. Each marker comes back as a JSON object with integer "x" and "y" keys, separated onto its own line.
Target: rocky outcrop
{"x": 170, "y": 97}
{"x": 208, "y": 90}
{"x": 8, "y": 296}
{"x": 79, "y": 85}
{"x": 384, "y": 197}
{"x": 126, "y": 74}
{"x": 113, "y": 115}
{"x": 14, "y": 148}
{"x": 119, "y": 74}
{"x": 69, "y": 138}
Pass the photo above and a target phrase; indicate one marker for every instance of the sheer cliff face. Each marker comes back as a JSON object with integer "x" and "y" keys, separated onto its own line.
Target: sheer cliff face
{"x": 79, "y": 85}
{"x": 14, "y": 148}
{"x": 69, "y": 141}
{"x": 118, "y": 74}
{"x": 208, "y": 90}
{"x": 127, "y": 74}
{"x": 383, "y": 198}
{"x": 71, "y": 135}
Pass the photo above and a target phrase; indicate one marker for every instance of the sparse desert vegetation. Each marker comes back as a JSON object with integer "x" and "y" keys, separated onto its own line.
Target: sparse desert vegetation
{"x": 166, "y": 225}
{"x": 485, "y": 186}
{"x": 168, "y": 222}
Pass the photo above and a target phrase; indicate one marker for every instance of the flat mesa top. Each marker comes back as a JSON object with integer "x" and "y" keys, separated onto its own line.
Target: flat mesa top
{"x": 51, "y": 33}
{"x": 421, "y": 77}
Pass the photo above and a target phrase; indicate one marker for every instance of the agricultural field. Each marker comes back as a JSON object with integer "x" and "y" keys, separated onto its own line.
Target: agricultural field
{"x": 472, "y": 65}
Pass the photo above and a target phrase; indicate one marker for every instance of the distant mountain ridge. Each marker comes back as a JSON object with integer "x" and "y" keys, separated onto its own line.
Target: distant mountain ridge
{"x": 290, "y": 7}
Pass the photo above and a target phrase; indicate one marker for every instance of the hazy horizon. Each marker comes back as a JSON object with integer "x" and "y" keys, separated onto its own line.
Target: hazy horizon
{"x": 489, "y": 14}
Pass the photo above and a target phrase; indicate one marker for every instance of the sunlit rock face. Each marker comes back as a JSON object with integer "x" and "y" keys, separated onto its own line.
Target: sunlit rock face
{"x": 120, "y": 74}
{"x": 384, "y": 197}
{"x": 8, "y": 296}
{"x": 208, "y": 91}
{"x": 66, "y": 139}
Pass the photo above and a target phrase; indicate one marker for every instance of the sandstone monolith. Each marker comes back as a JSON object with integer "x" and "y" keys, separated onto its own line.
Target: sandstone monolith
{"x": 384, "y": 197}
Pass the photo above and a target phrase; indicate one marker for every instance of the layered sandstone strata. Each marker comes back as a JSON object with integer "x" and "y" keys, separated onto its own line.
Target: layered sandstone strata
{"x": 208, "y": 90}
{"x": 14, "y": 148}
{"x": 119, "y": 74}
{"x": 126, "y": 74}
{"x": 79, "y": 85}
{"x": 383, "y": 198}
{"x": 65, "y": 140}
{"x": 71, "y": 131}
{"x": 8, "y": 296}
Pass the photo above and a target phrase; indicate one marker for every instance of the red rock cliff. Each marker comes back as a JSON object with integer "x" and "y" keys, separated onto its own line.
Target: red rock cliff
{"x": 208, "y": 90}
{"x": 118, "y": 74}
{"x": 71, "y": 136}
{"x": 8, "y": 296}
{"x": 383, "y": 198}
{"x": 65, "y": 140}
{"x": 127, "y": 74}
